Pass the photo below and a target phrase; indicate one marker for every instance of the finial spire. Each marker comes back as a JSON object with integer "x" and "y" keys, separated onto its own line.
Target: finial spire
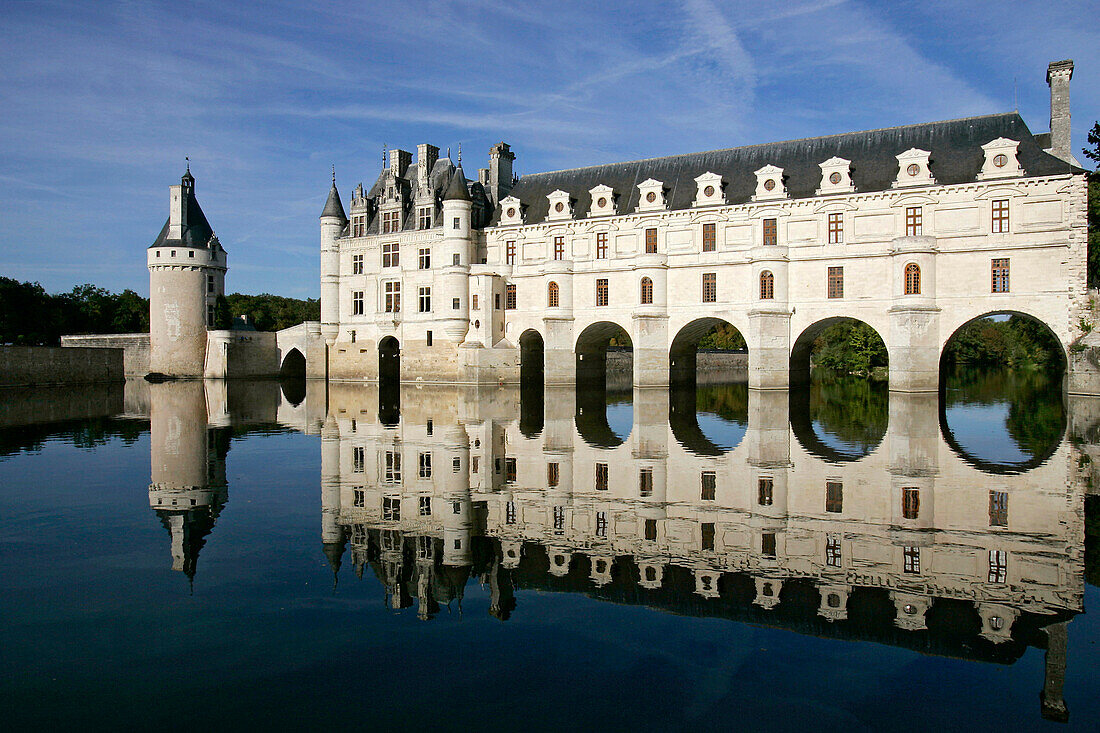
{"x": 384, "y": 149}
{"x": 188, "y": 159}
{"x": 333, "y": 174}
{"x": 460, "y": 153}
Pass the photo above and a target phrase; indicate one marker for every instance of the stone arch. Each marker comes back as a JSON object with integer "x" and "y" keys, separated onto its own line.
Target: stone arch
{"x": 532, "y": 353}
{"x": 389, "y": 380}
{"x": 1030, "y": 316}
{"x": 591, "y": 350}
{"x": 803, "y": 346}
{"x": 293, "y": 366}
{"x": 682, "y": 360}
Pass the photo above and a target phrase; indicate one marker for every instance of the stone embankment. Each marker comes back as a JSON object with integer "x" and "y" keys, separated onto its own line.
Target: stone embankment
{"x": 41, "y": 365}
{"x": 135, "y": 347}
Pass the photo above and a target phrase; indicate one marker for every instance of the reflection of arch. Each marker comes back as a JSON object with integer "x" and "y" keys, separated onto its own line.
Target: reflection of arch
{"x": 681, "y": 355}
{"x": 531, "y": 358}
{"x": 802, "y": 348}
{"x": 802, "y": 415}
{"x": 389, "y": 381}
{"x": 683, "y": 418}
{"x": 591, "y": 350}
{"x": 1003, "y": 469}
{"x": 294, "y": 365}
{"x": 591, "y": 417}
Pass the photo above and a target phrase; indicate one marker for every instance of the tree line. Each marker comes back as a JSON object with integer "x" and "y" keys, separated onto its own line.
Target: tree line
{"x": 29, "y": 316}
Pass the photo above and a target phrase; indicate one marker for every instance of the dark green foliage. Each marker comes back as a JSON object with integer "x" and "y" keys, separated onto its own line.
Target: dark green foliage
{"x": 849, "y": 347}
{"x": 1093, "y": 153}
{"x": 1092, "y": 539}
{"x": 724, "y": 337}
{"x": 29, "y": 316}
{"x": 274, "y": 312}
{"x": 223, "y": 315}
{"x": 854, "y": 410}
{"x": 1015, "y": 343}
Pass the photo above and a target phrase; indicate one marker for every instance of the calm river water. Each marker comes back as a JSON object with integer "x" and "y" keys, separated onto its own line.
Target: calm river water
{"x": 190, "y": 555}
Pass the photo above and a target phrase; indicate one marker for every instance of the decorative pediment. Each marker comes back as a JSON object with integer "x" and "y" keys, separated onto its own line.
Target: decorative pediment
{"x": 651, "y": 195}
{"x": 561, "y": 207}
{"x": 836, "y": 176}
{"x": 1000, "y": 160}
{"x": 769, "y": 184}
{"x": 511, "y": 210}
{"x": 709, "y": 190}
{"x": 914, "y": 169}
{"x": 603, "y": 201}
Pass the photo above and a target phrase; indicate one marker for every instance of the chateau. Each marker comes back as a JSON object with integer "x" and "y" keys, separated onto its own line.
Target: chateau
{"x": 914, "y": 230}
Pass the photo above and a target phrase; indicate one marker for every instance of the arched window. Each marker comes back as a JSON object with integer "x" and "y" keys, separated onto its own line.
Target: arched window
{"x": 552, "y": 295}
{"x": 912, "y": 279}
{"x": 767, "y": 285}
{"x": 647, "y": 291}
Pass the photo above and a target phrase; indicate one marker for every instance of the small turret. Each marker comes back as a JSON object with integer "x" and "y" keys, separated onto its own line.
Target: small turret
{"x": 333, "y": 223}
{"x": 457, "y": 253}
{"x": 458, "y": 190}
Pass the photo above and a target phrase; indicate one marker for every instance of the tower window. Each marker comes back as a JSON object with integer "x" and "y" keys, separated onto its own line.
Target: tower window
{"x": 390, "y": 254}
{"x": 1000, "y": 275}
{"x": 765, "y": 488}
{"x": 709, "y": 238}
{"x": 645, "y": 482}
{"x": 910, "y": 503}
{"x": 836, "y": 228}
{"x": 357, "y": 459}
{"x": 998, "y": 566}
{"x": 836, "y": 282}
{"x": 998, "y": 508}
{"x": 710, "y": 287}
{"x": 559, "y": 248}
{"x": 601, "y": 292}
{"x": 358, "y": 225}
{"x": 210, "y": 284}
{"x": 834, "y": 497}
{"x": 647, "y": 291}
{"x": 601, "y": 246}
{"x": 425, "y": 467}
{"x": 510, "y": 297}
{"x": 424, "y": 259}
{"x": 912, "y": 279}
{"x": 1000, "y": 216}
{"x": 209, "y": 316}
{"x": 911, "y": 559}
{"x": 552, "y": 295}
{"x": 601, "y": 476}
{"x": 914, "y": 221}
{"x": 767, "y": 544}
{"x": 771, "y": 236}
{"x": 455, "y": 304}
{"x": 601, "y": 524}
{"x": 457, "y": 223}
{"x": 552, "y": 473}
{"x": 706, "y": 536}
{"x": 767, "y": 285}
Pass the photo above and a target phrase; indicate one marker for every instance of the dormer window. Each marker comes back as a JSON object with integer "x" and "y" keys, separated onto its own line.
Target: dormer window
{"x": 511, "y": 211}
{"x": 914, "y": 169}
{"x": 559, "y": 205}
{"x": 651, "y": 195}
{"x": 391, "y": 221}
{"x": 603, "y": 201}
{"x": 424, "y": 218}
{"x": 1000, "y": 159}
{"x": 769, "y": 184}
{"x": 358, "y": 225}
{"x": 708, "y": 190}
{"x": 836, "y": 176}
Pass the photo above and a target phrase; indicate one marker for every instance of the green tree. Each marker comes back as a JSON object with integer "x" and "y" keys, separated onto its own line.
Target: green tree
{"x": 1092, "y": 152}
{"x": 223, "y": 316}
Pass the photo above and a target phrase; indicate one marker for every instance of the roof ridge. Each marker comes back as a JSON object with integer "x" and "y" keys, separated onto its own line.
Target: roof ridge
{"x": 775, "y": 142}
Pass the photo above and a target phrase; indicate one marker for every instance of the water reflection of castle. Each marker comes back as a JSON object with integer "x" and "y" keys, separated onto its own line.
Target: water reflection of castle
{"x": 909, "y": 545}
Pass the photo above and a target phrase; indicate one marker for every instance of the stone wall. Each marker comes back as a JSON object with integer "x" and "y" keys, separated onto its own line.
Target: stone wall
{"x": 711, "y": 363}
{"x": 135, "y": 348}
{"x": 39, "y": 405}
{"x": 27, "y": 365}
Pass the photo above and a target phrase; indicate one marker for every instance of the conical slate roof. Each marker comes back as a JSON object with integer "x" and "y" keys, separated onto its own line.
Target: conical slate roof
{"x": 457, "y": 190}
{"x": 197, "y": 232}
{"x": 333, "y": 207}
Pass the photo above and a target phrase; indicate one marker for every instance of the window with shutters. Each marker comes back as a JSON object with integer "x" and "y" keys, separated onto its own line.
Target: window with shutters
{"x": 601, "y": 477}
{"x": 836, "y": 282}
{"x": 645, "y": 482}
{"x": 390, "y": 254}
{"x": 767, "y": 285}
{"x": 601, "y": 246}
{"x": 651, "y": 241}
{"x": 910, "y": 559}
{"x": 601, "y": 292}
{"x": 357, "y": 264}
{"x": 914, "y": 221}
{"x": 765, "y": 488}
{"x": 424, "y": 259}
{"x": 771, "y": 235}
{"x": 647, "y": 291}
{"x": 424, "y": 219}
{"x": 1000, "y": 275}
{"x": 836, "y": 228}
{"x": 357, "y": 302}
{"x": 510, "y": 252}
{"x": 552, "y": 295}
{"x": 552, "y": 472}
{"x": 710, "y": 287}
{"x": 834, "y": 497}
{"x": 912, "y": 279}
{"x": 998, "y": 508}
{"x": 510, "y": 297}
{"x": 425, "y": 304}
{"x": 1000, "y": 216}
{"x": 708, "y": 481}
{"x": 709, "y": 238}
{"x": 910, "y": 503}
{"x": 392, "y": 292}
{"x": 559, "y": 248}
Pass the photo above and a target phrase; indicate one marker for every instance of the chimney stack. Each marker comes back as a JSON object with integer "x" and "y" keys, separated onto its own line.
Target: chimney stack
{"x": 1058, "y": 75}
{"x": 500, "y": 171}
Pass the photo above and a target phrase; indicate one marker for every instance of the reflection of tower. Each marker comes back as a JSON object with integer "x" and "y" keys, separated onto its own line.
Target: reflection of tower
{"x": 187, "y": 486}
{"x": 1054, "y": 705}
{"x": 332, "y": 534}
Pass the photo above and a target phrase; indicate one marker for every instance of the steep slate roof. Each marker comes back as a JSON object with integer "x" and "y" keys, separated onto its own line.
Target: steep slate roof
{"x": 955, "y": 145}
{"x": 440, "y": 180}
{"x": 198, "y": 231}
{"x": 457, "y": 190}
{"x": 334, "y": 207}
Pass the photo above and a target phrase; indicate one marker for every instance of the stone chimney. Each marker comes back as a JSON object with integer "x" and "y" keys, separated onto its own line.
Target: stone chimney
{"x": 500, "y": 171}
{"x": 399, "y": 162}
{"x": 1058, "y": 75}
{"x": 426, "y": 156}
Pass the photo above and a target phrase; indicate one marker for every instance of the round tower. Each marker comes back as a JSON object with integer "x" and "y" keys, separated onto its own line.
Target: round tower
{"x": 186, "y": 275}
{"x": 457, "y": 250}
{"x": 333, "y": 223}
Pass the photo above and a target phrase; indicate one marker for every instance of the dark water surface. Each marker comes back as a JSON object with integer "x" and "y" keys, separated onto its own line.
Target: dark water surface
{"x": 193, "y": 555}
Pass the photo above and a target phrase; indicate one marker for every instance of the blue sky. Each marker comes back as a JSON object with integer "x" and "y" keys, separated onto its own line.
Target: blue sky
{"x": 102, "y": 101}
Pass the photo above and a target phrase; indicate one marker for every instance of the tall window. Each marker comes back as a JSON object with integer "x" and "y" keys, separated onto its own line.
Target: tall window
{"x": 357, "y": 302}
{"x": 391, "y": 508}
{"x": 998, "y": 566}
{"x": 393, "y": 296}
{"x": 912, "y": 279}
{"x": 510, "y": 470}
{"x": 357, "y": 459}
{"x": 708, "y": 238}
{"x": 651, "y": 241}
{"x": 1000, "y": 216}
{"x": 832, "y": 550}
{"x": 393, "y": 467}
{"x": 710, "y": 287}
{"x": 836, "y": 282}
{"x": 357, "y": 264}
{"x": 390, "y": 253}
{"x": 359, "y": 498}
{"x": 708, "y": 481}
{"x": 1000, "y": 275}
{"x": 647, "y": 291}
{"x": 765, "y": 487}
{"x": 510, "y": 252}
{"x": 706, "y": 535}
{"x": 651, "y": 535}
{"x": 601, "y": 524}
{"x": 552, "y": 295}
{"x": 552, "y": 474}
{"x": 914, "y": 221}
{"x": 474, "y": 303}
{"x": 559, "y": 519}
{"x": 767, "y": 544}
{"x": 510, "y": 297}
{"x": 601, "y": 246}
{"x": 425, "y": 465}
{"x": 601, "y": 291}
{"x": 770, "y": 232}
{"x": 425, "y": 506}
{"x": 601, "y": 477}
{"x": 559, "y": 248}
{"x": 836, "y": 228}
{"x": 998, "y": 508}
{"x": 645, "y": 482}
{"x": 424, "y": 219}
{"x": 911, "y": 559}
{"x": 358, "y": 225}
{"x": 910, "y": 503}
{"x": 510, "y": 513}
{"x": 425, "y": 304}
{"x": 767, "y": 285}
{"x": 834, "y": 497}
{"x": 424, "y": 259}
{"x": 210, "y": 284}
{"x": 391, "y": 221}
